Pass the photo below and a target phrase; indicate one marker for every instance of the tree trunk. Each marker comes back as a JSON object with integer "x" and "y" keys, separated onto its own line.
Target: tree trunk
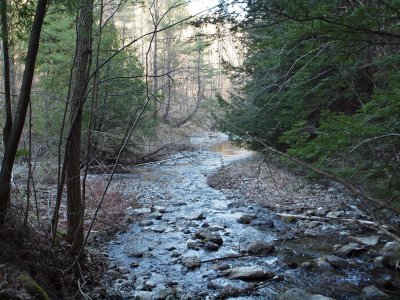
{"x": 23, "y": 103}
{"x": 155, "y": 58}
{"x": 75, "y": 207}
{"x": 6, "y": 74}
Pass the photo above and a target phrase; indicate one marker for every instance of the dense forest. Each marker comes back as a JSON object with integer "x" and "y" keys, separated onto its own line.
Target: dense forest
{"x": 92, "y": 91}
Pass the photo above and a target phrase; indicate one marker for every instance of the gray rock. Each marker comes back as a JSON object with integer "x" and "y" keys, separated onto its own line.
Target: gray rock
{"x": 373, "y": 293}
{"x": 336, "y": 261}
{"x": 248, "y": 273}
{"x": 196, "y": 216}
{"x": 156, "y": 215}
{"x": 236, "y": 205}
{"x": 160, "y": 209}
{"x": 134, "y": 264}
{"x": 245, "y": 219}
{"x": 211, "y": 246}
{"x": 142, "y": 211}
{"x": 260, "y": 247}
{"x": 158, "y": 229}
{"x": 322, "y": 264}
{"x": 368, "y": 240}
{"x": 391, "y": 255}
{"x": 150, "y": 285}
{"x": 300, "y": 294}
{"x": 166, "y": 293}
{"x": 193, "y": 245}
{"x": 145, "y": 223}
{"x": 144, "y": 295}
{"x": 137, "y": 254}
{"x": 222, "y": 267}
{"x": 191, "y": 262}
{"x": 263, "y": 223}
{"x": 320, "y": 212}
{"x": 334, "y": 214}
{"x": 348, "y": 250}
{"x": 207, "y": 235}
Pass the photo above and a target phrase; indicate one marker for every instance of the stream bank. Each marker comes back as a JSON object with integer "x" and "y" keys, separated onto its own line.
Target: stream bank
{"x": 192, "y": 241}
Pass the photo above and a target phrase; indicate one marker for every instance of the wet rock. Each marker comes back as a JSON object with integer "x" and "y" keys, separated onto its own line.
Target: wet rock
{"x": 300, "y": 294}
{"x": 260, "y": 247}
{"x": 336, "y": 261}
{"x": 166, "y": 293}
{"x": 248, "y": 273}
{"x": 391, "y": 255}
{"x": 348, "y": 250}
{"x": 158, "y": 229}
{"x": 368, "y": 240}
{"x": 160, "y": 209}
{"x": 191, "y": 262}
{"x": 263, "y": 223}
{"x": 245, "y": 219}
{"x": 334, "y": 214}
{"x": 373, "y": 293}
{"x": 196, "y": 216}
{"x": 150, "y": 285}
{"x": 170, "y": 248}
{"x": 134, "y": 264}
{"x": 145, "y": 223}
{"x": 207, "y": 235}
{"x": 320, "y": 212}
{"x": 322, "y": 264}
{"x": 142, "y": 211}
{"x": 222, "y": 267}
{"x": 236, "y": 204}
{"x": 138, "y": 254}
{"x": 193, "y": 245}
{"x": 175, "y": 254}
{"x": 144, "y": 295}
{"x": 180, "y": 203}
{"x": 211, "y": 246}
{"x": 306, "y": 265}
{"x": 156, "y": 215}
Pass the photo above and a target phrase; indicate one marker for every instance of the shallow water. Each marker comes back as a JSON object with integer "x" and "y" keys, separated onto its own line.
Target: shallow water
{"x": 180, "y": 186}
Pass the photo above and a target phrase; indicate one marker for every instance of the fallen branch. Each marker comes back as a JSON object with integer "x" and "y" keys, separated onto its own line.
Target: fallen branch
{"x": 315, "y": 218}
{"x": 231, "y": 257}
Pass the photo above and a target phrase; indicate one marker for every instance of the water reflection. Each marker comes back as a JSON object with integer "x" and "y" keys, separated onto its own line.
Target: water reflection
{"x": 230, "y": 151}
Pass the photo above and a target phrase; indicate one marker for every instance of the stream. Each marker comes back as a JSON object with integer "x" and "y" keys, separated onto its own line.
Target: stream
{"x": 183, "y": 225}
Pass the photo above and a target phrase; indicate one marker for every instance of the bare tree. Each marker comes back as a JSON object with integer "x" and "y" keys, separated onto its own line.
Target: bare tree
{"x": 20, "y": 115}
{"x": 80, "y": 77}
{"x": 6, "y": 74}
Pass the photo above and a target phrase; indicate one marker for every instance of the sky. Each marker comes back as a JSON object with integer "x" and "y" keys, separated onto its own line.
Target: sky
{"x": 197, "y": 6}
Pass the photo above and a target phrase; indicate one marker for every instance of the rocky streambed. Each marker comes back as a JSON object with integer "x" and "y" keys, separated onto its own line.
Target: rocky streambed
{"x": 192, "y": 241}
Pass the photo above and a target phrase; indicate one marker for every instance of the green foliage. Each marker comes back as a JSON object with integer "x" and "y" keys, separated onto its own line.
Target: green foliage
{"x": 322, "y": 84}
{"x": 119, "y": 92}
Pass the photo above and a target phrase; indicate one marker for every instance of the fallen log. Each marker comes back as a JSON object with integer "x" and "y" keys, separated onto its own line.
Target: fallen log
{"x": 315, "y": 218}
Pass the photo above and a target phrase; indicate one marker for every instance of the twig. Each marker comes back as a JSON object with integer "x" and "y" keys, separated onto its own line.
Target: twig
{"x": 233, "y": 256}
{"x": 373, "y": 139}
